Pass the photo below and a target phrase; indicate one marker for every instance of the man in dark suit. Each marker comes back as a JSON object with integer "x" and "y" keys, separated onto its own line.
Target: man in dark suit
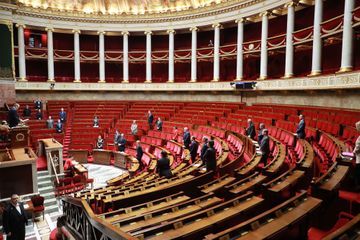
{"x": 186, "y": 138}
{"x": 121, "y": 143}
{"x": 300, "y": 131}
{"x": 203, "y": 149}
{"x": 159, "y": 124}
{"x": 250, "y": 130}
{"x": 38, "y": 104}
{"x": 150, "y": 119}
{"x": 62, "y": 115}
{"x": 14, "y": 219}
{"x": 39, "y": 115}
{"x": 265, "y": 147}
{"x": 210, "y": 157}
{"x": 163, "y": 166}
{"x": 13, "y": 117}
{"x": 27, "y": 112}
{"x": 139, "y": 154}
{"x": 193, "y": 149}
{"x": 59, "y": 127}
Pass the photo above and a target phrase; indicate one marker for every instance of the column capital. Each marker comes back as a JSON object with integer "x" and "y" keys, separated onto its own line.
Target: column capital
{"x": 101, "y": 32}
{"x": 125, "y": 33}
{"x": 216, "y": 25}
{"x": 291, "y": 4}
{"x": 148, "y": 32}
{"x": 76, "y": 31}
{"x": 20, "y": 25}
{"x": 266, "y": 13}
{"x": 170, "y": 31}
{"x": 194, "y": 29}
{"x": 49, "y": 29}
{"x": 240, "y": 20}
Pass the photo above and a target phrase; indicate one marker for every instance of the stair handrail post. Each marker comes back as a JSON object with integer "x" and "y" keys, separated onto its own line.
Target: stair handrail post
{"x": 53, "y": 167}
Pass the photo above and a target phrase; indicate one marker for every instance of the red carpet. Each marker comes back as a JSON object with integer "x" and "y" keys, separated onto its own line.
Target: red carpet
{"x": 41, "y": 163}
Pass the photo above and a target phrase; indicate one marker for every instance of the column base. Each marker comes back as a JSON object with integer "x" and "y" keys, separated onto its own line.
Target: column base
{"x": 215, "y": 80}
{"x": 237, "y": 79}
{"x": 22, "y": 80}
{"x": 77, "y": 81}
{"x": 51, "y": 80}
{"x": 101, "y": 81}
{"x": 170, "y": 81}
{"x": 314, "y": 73}
{"x": 288, "y": 75}
{"x": 148, "y": 81}
{"x": 262, "y": 78}
{"x": 193, "y": 80}
{"x": 344, "y": 69}
{"x": 125, "y": 81}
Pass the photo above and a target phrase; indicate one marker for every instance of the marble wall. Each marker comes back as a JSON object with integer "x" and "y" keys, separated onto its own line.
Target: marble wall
{"x": 7, "y": 92}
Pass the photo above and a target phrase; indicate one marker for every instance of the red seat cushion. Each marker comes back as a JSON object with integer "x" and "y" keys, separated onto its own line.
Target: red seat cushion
{"x": 39, "y": 209}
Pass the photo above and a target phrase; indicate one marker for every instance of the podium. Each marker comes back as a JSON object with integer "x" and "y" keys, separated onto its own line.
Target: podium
{"x": 19, "y": 136}
{"x": 101, "y": 156}
{"x": 50, "y": 147}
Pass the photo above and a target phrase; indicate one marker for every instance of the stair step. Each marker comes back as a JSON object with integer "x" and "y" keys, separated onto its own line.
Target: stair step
{"x": 50, "y": 202}
{"x": 44, "y": 183}
{"x": 52, "y": 209}
{"x": 42, "y": 173}
{"x": 44, "y": 178}
{"x": 46, "y": 190}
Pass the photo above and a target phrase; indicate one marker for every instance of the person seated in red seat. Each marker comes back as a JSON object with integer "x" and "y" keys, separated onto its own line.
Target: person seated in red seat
{"x": 60, "y": 233}
{"x": 100, "y": 142}
{"x": 176, "y": 134}
{"x": 39, "y": 115}
{"x": 250, "y": 130}
{"x": 163, "y": 165}
{"x": 357, "y": 160}
{"x": 300, "y": 131}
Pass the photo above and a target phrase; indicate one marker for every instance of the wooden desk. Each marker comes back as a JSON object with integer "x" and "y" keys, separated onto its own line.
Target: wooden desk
{"x": 121, "y": 159}
{"x": 49, "y": 146}
{"x": 79, "y": 155}
{"x": 101, "y": 156}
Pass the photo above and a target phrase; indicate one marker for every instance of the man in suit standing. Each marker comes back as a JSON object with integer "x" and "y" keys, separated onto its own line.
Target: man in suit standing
{"x": 14, "y": 219}
{"x": 39, "y": 115}
{"x": 193, "y": 149}
{"x": 265, "y": 147}
{"x": 27, "y": 112}
{"x": 300, "y": 131}
{"x": 203, "y": 149}
{"x": 50, "y": 123}
{"x": 62, "y": 115}
{"x": 59, "y": 126}
{"x": 250, "y": 130}
{"x": 134, "y": 128}
{"x": 139, "y": 154}
{"x": 159, "y": 124}
{"x": 186, "y": 138}
{"x": 163, "y": 166}
{"x": 260, "y": 133}
{"x": 13, "y": 117}
{"x": 38, "y": 104}
{"x": 121, "y": 143}
{"x": 210, "y": 157}
{"x": 150, "y": 119}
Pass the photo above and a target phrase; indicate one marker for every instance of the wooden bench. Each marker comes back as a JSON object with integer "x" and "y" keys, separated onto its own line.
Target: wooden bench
{"x": 246, "y": 184}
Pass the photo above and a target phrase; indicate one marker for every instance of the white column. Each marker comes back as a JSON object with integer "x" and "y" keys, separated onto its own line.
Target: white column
{"x": 101, "y": 56}
{"x": 76, "y": 55}
{"x": 239, "y": 53}
{"x": 148, "y": 56}
{"x": 171, "y": 55}
{"x": 289, "y": 55}
{"x": 264, "y": 52}
{"x": 125, "y": 56}
{"x": 347, "y": 38}
{"x": 316, "y": 53}
{"x": 21, "y": 49}
{"x": 216, "y": 73}
{"x": 193, "y": 54}
{"x": 50, "y": 47}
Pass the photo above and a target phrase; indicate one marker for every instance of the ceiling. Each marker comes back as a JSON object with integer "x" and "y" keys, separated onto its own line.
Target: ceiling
{"x": 117, "y": 7}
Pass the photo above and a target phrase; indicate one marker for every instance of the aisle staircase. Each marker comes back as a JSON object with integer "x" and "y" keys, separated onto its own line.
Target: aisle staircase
{"x": 67, "y": 137}
{"x": 46, "y": 189}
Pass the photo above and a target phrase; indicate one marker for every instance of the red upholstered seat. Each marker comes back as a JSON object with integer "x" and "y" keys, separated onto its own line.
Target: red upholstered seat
{"x": 38, "y": 203}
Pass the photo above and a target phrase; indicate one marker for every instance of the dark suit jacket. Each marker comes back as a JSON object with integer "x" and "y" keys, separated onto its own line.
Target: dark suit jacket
{"x": 187, "y": 139}
{"x": 210, "y": 159}
{"x": 13, "y": 117}
{"x": 38, "y": 105}
{"x": 139, "y": 153}
{"x": 27, "y": 112}
{"x": 39, "y": 115}
{"x": 203, "y": 150}
{"x": 300, "y": 131}
{"x": 163, "y": 167}
{"x": 265, "y": 145}
{"x": 62, "y": 116}
{"x": 250, "y": 131}
{"x": 121, "y": 143}
{"x": 14, "y": 222}
{"x": 150, "y": 119}
{"x": 159, "y": 125}
{"x": 194, "y": 148}
{"x": 59, "y": 127}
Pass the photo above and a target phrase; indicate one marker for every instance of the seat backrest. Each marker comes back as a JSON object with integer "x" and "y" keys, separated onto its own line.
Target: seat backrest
{"x": 37, "y": 200}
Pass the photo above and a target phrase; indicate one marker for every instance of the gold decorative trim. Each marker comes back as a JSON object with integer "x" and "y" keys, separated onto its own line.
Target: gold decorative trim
{"x": 51, "y": 80}
{"x": 125, "y": 81}
{"x": 261, "y": 78}
{"x": 77, "y": 81}
{"x": 345, "y": 69}
{"x": 171, "y": 31}
{"x": 148, "y": 81}
{"x": 149, "y": 32}
{"x": 193, "y": 81}
{"x": 314, "y": 73}
{"x": 101, "y": 81}
{"x": 22, "y": 80}
{"x": 286, "y": 76}
{"x": 193, "y": 29}
{"x": 125, "y": 33}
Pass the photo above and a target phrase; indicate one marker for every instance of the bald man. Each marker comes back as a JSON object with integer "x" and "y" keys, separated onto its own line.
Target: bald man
{"x": 14, "y": 219}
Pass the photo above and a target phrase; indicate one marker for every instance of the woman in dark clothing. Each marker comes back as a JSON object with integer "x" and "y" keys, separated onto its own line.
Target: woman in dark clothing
{"x": 163, "y": 166}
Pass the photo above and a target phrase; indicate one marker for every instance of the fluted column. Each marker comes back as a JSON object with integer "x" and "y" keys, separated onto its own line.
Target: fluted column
{"x": 125, "y": 56}
{"x": 148, "y": 56}
{"x": 264, "y": 49}
{"x": 171, "y": 55}
{"x": 216, "y": 73}
{"x": 193, "y": 54}
{"x": 239, "y": 53}
{"x": 347, "y": 38}
{"x": 289, "y": 55}
{"x": 317, "y": 45}
{"x": 21, "y": 49}
{"x": 50, "y": 47}
{"x": 101, "y": 56}
{"x": 76, "y": 55}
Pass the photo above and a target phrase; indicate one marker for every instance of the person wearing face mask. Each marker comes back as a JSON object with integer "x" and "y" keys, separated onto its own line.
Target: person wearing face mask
{"x": 14, "y": 219}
